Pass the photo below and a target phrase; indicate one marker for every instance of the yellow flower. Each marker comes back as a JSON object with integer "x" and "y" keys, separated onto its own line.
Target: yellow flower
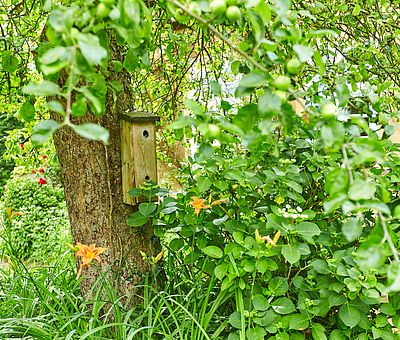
{"x": 223, "y": 200}
{"x": 198, "y": 204}
{"x": 267, "y": 238}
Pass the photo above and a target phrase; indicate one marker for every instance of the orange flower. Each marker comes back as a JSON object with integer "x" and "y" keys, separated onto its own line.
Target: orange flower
{"x": 198, "y": 204}
{"x": 88, "y": 253}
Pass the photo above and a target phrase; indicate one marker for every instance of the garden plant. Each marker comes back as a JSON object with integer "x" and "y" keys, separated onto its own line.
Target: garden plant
{"x": 282, "y": 221}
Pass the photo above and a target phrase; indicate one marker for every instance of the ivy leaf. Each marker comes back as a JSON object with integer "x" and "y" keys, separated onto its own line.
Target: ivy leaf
{"x": 350, "y": 315}
{"x": 44, "y": 88}
{"x": 92, "y": 131}
{"x": 43, "y": 131}
{"x": 9, "y": 62}
{"x": 213, "y": 252}
{"x": 352, "y": 228}
{"x": 91, "y": 49}
{"x": 137, "y": 219}
{"x": 283, "y": 306}
{"x": 146, "y": 209}
{"x": 291, "y": 253}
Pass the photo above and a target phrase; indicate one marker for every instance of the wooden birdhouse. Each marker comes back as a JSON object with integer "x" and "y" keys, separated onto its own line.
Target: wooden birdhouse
{"x": 138, "y": 152}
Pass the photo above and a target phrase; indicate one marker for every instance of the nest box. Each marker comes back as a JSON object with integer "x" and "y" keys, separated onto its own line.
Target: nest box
{"x": 138, "y": 152}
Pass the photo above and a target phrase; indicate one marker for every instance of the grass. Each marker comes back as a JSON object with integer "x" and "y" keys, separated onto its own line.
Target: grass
{"x": 44, "y": 302}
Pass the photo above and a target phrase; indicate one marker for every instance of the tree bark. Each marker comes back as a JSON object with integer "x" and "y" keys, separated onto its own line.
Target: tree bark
{"x": 91, "y": 175}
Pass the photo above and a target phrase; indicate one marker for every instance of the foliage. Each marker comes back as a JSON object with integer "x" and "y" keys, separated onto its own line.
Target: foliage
{"x": 35, "y": 219}
{"x": 7, "y": 123}
{"x": 44, "y": 302}
{"x": 307, "y": 243}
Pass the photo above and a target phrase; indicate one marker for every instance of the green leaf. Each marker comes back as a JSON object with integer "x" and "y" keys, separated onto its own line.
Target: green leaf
{"x": 194, "y": 106}
{"x": 318, "y": 331}
{"x": 307, "y": 230}
{"x": 298, "y": 321}
{"x": 44, "y": 88}
{"x": 9, "y": 62}
{"x": 257, "y": 333}
{"x": 304, "y": 53}
{"x": 393, "y": 275}
{"x": 215, "y": 88}
{"x": 135, "y": 192}
{"x": 213, "y": 252}
{"x": 356, "y": 10}
{"x": 320, "y": 266}
{"x": 269, "y": 103}
{"x": 176, "y": 244}
{"x": 43, "y": 131}
{"x": 53, "y": 55}
{"x": 253, "y": 79}
{"x": 334, "y": 203}
{"x": 350, "y": 315}
{"x": 361, "y": 190}
{"x": 387, "y": 309}
{"x": 146, "y": 209}
{"x": 92, "y": 131}
{"x": 27, "y": 111}
{"x": 396, "y": 213}
{"x": 137, "y": 219}
{"x": 221, "y": 270}
{"x": 291, "y": 253}
{"x": 283, "y": 306}
{"x": 278, "y": 285}
{"x": 234, "y": 320}
{"x": 260, "y": 302}
{"x": 79, "y": 107}
{"x": 56, "y": 107}
{"x": 203, "y": 184}
{"x": 91, "y": 49}
{"x": 352, "y": 228}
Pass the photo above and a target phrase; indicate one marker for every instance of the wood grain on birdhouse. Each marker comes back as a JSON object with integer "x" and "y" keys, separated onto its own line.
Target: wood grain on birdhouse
{"x": 138, "y": 152}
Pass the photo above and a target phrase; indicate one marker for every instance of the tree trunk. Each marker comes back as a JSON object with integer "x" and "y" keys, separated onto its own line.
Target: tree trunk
{"x": 91, "y": 174}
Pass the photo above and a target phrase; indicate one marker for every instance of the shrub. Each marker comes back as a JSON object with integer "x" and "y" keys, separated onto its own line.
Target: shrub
{"x": 35, "y": 218}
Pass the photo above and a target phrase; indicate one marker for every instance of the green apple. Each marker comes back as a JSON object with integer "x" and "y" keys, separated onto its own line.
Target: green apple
{"x": 213, "y": 130}
{"x": 282, "y": 83}
{"x": 218, "y": 7}
{"x": 194, "y": 8}
{"x": 329, "y": 110}
{"x": 233, "y": 13}
{"x": 293, "y": 66}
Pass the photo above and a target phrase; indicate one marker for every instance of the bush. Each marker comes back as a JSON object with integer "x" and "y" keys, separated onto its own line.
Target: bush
{"x": 7, "y": 122}
{"x": 35, "y": 219}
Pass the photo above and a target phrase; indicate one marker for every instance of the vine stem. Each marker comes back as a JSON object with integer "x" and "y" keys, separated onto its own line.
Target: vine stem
{"x": 388, "y": 238}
